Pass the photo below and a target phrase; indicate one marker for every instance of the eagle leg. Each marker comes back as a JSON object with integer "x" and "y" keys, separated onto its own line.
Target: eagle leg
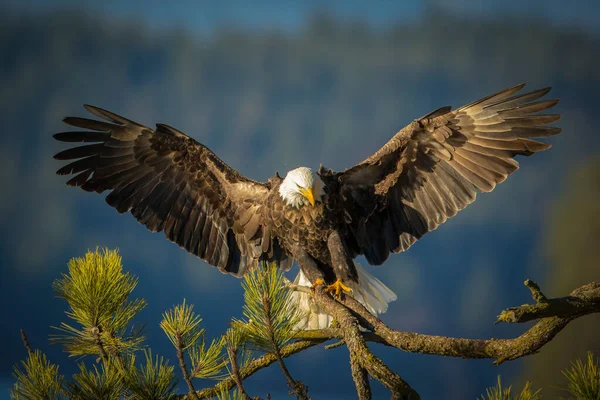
{"x": 308, "y": 265}
{"x": 338, "y": 288}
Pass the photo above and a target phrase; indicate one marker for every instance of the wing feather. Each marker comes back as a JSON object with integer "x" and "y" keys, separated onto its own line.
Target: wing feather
{"x": 171, "y": 183}
{"x": 433, "y": 168}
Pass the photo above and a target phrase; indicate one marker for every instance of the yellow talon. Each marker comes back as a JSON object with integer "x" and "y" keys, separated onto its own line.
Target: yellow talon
{"x": 317, "y": 282}
{"x": 338, "y": 287}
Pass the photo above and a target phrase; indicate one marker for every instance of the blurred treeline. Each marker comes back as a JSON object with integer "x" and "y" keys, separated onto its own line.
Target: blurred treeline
{"x": 332, "y": 92}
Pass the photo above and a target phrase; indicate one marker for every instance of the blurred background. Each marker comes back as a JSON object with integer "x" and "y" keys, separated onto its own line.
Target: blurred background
{"x": 270, "y": 87}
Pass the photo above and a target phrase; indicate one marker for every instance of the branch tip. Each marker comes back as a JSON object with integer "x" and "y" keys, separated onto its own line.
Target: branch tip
{"x": 536, "y": 293}
{"x": 26, "y": 342}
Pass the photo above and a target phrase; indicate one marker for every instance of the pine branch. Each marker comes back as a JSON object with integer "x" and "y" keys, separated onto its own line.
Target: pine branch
{"x": 271, "y": 317}
{"x": 182, "y": 327}
{"x": 154, "y": 379}
{"x": 300, "y": 390}
{"x": 37, "y": 378}
{"x": 97, "y": 292}
{"x": 183, "y": 367}
{"x": 499, "y": 349}
{"x": 235, "y": 371}
{"x": 98, "y": 341}
{"x": 256, "y": 365}
{"x": 584, "y": 378}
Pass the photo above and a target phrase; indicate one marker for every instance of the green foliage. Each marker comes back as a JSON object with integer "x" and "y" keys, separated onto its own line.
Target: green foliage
{"x": 227, "y": 395}
{"x": 182, "y": 325}
{"x": 499, "y": 393}
{"x": 37, "y": 379}
{"x": 207, "y": 363}
{"x": 236, "y": 339}
{"x": 105, "y": 382}
{"x": 270, "y": 314}
{"x": 97, "y": 292}
{"x": 584, "y": 379}
{"x": 153, "y": 380}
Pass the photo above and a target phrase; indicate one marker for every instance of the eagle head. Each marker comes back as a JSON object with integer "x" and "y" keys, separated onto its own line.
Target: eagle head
{"x": 301, "y": 187}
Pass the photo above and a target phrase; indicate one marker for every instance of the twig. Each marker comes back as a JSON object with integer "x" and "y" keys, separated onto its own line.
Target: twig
{"x": 26, "y": 342}
{"x": 98, "y": 341}
{"x": 256, "y": 365}
{"x": 235, "y": 370}
{"x": 536, "y": 293}
{"x": 299, "y": 288}
{"x": 184, "y": 371}
{"x": 335, "y": 345}
{"x": 297, "y": 386}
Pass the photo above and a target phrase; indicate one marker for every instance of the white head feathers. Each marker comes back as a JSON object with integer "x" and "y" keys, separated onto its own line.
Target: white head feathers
{"x": 301, "y": 187}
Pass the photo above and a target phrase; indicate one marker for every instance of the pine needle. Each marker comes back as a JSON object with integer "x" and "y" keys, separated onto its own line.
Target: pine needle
{"x": 208, "y": 363}
{"x": 499, "y": 393}
{"x": 584, "y": 379}
{"x": 181, "y": 321}
{"x": 270, "y": 314}
{"x": 233, "y": 395}
{"x": 97, "y": 292}
{"x": 105, "y": 382}
{"x": 37, "y": 378}
{"x": 155, "y": 379}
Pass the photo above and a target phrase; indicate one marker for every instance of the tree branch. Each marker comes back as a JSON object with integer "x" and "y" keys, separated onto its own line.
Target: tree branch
{"x": 361, "y": 379}
{"x": 582, "y": 301}
{"x": 235, "y": 371}
{"x": 555, "y": 318}
{"x": 256, "y": 365}
{"x": 553, "y": 315}
{"x": 184, "y": 371}
{"x": 358, "y": 348}
{"x": 297, "y": 386}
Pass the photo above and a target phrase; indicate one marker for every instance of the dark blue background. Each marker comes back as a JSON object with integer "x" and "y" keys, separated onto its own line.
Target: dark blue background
{"x": 269, "y": 88}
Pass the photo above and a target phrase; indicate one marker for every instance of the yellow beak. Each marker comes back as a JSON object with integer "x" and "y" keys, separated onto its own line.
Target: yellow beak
{"x": 308, "y": 193}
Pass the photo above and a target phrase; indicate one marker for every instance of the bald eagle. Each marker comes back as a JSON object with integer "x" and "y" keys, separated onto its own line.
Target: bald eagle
{"x": 423, "y": 175}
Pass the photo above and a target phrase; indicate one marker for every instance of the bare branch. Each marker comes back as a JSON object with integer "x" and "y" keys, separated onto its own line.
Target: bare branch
{"x": 553, "y": 315}
{"x": 582, "y": 301}
{"x": 358, "y": 348}
{"x": 26, "y": 342}
{"x": 361, "y": 379}
{"x": 500, "y": 349}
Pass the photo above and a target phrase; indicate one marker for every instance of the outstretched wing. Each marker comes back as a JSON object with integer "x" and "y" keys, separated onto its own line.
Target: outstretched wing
{"x": 170, "y": 182}
{"x": 433, "y": 168}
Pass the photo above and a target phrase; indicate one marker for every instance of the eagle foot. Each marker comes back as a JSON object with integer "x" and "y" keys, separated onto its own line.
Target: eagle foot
{"x": 317, "y": 282}
{"x": 338, "y": 288}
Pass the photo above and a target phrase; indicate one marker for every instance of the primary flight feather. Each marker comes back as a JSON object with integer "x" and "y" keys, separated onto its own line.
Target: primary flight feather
{"x": 423, "y": 175}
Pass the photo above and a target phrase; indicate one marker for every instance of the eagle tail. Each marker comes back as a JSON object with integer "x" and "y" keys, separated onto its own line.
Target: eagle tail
{"x": 369, "y": 291}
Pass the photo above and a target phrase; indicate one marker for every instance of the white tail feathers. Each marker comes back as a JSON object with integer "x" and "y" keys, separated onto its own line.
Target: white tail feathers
{"x": 369, "y": 291}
